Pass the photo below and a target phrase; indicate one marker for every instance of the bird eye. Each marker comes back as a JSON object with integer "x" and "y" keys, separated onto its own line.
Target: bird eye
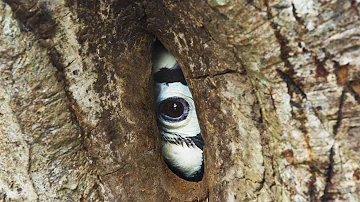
{"x": 181, "y": 142}
{"x": 173, "y": 109}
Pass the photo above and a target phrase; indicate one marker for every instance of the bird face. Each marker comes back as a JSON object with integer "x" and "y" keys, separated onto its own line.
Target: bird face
{"x": 179, "y": 128}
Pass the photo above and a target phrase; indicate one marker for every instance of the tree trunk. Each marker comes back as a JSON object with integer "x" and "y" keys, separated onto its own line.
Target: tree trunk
{"x": 276, "y": 85}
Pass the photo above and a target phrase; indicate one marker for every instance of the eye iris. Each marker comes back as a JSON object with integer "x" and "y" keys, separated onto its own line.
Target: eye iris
{"x": 174, "y": 109}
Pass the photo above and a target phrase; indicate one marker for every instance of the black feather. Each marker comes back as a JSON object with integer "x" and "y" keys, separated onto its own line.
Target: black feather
{"x": 194, "y": 141}
{"x": 198, "y": 141}
{"x": 165, "y": 75}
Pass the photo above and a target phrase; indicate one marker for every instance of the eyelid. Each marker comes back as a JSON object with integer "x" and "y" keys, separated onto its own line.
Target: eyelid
{"x": 171, "y": 90}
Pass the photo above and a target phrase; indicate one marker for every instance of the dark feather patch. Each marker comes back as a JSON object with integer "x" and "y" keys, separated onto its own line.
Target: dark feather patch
{"x": 198, "y": 141}
{"x": 195, "y": 141}
{"x": 165, "y": 75}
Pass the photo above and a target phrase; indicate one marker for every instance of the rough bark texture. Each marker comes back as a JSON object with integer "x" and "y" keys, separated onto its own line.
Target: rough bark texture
{"x": 276, "y": 85}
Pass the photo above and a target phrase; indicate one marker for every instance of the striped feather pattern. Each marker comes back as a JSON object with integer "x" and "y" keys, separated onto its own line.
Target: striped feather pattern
{"x": 182, "y": 143}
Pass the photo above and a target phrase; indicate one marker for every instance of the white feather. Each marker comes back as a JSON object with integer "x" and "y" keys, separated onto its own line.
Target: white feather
{"x": 163, "y": 59}
{"x": 187, "y": 159}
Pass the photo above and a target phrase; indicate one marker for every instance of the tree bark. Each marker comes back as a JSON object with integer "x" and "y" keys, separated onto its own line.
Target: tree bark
{"x": 276, "y": 85}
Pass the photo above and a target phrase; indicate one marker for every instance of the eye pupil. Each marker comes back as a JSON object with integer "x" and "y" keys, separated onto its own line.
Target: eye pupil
{"x": 174, "y": 109}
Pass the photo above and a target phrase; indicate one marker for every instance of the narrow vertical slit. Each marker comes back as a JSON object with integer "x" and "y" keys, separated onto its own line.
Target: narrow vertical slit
{"x": 181, "y": 141}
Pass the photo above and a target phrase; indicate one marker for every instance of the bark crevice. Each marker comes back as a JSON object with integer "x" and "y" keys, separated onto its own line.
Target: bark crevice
{"x": 275, "y": 85}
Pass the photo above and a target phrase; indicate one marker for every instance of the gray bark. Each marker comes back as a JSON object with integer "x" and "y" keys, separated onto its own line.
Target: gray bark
{"x": 276, "y": 85}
